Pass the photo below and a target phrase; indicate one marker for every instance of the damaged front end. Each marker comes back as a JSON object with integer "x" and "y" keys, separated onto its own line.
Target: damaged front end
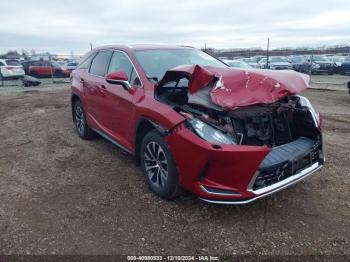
{"x": 247, "y": 134}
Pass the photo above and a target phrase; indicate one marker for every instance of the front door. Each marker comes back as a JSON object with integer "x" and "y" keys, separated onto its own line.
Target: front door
{"x": 119, "y": 107}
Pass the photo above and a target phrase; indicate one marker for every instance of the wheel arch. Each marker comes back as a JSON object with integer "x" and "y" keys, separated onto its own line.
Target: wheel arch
{"x": 74, "y": 98}
{"x": 143, "y": 127}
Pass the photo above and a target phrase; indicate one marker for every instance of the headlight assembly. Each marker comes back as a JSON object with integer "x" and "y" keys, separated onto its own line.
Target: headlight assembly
{"x": 209, "y": 133}
{"x": 306, "y": 103}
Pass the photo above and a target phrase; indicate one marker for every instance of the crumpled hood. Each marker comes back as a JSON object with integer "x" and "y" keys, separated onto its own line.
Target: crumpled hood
{"x": 233, "y": 87}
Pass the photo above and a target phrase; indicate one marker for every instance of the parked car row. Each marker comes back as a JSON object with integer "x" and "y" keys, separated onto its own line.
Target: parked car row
{"x": 316, "y": 64}
{"x": 10, "y": 69}
{"x": 15, "y": 69}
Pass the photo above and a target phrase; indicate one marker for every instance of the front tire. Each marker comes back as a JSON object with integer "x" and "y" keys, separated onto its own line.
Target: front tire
{"x": 83, "y": 130}
{"x": 159, "y": 166}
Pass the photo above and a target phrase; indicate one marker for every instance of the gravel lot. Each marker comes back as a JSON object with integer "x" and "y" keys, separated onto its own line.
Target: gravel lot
{"x": 62, "y": 195}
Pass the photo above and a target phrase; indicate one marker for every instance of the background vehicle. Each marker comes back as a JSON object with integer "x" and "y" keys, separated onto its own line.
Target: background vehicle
{"x": 300, "y": 64}
{"x": 321, "y": 64}
{"x": 191, "y": 121}
{"x": 262, "y": 62}
{"x": 279, "y": 63}
{"x": 10, "y": 69}
{"x": 70, "y": 66}
{"x": 46, "y": 69}
{"x": 345, "y": 67}
{"x": 237, "y": 63}
{"x": 337, "y": 62}
{"x": 252, "y": 62}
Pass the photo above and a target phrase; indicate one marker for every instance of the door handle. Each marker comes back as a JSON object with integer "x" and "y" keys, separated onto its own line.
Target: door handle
{"x": 103, "y": 87}
{"x": 82, "y": 80}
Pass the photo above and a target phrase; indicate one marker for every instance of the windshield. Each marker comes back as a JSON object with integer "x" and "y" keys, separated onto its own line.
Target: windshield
{"x": 298, "y": 59}
{"x": 337, "y": 59}
{"x": 277, "y": 59}
{"x": 55, "y": 64}
{"x": 320, "y": 58}
{"x": 239, "y": 64}
{"x": 156, "y": 62}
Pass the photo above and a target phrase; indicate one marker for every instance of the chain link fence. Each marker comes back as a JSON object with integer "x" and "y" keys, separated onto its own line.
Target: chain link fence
{"x": 33, "y": 69}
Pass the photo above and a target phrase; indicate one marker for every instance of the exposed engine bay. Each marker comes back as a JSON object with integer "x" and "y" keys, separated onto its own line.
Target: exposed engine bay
{"x": 272, "y": 124}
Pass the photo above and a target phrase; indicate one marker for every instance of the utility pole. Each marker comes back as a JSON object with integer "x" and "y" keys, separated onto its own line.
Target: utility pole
{"x": 90, "y": 46}
{"x": 267, "y": 53}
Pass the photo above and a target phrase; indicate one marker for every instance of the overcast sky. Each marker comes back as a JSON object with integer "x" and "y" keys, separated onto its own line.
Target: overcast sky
{"x": 62, "y": 26}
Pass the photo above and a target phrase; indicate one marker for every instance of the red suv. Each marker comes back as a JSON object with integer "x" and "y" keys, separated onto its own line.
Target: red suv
{"x": 227, "y": 135}
{"x": 46, "y": 69}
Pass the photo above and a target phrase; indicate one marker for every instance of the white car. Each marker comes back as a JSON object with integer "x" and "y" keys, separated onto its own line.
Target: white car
{"x": 10, "y": 69}
{"x": 237, "y": 63}
{"x": 70, "y": 66}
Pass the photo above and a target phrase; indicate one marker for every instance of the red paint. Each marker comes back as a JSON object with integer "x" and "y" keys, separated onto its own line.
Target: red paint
{"x": 116, "y": 111}
{"x": 120, "y": 75}
{"x": 199, "y": 77}
{"x": 241, "y": 87}
{"x": 44, "y": 69}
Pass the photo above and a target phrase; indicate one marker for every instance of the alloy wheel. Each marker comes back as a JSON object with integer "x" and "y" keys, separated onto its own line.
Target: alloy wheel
{"x": 156, "y": 164}
{"x": 79, "y": 119}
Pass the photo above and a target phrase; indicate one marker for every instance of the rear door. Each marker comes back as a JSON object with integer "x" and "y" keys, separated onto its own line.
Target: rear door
{"x": 94, "y": 84}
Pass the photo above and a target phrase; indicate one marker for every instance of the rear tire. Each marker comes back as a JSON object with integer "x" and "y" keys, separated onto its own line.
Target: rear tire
{"x": 83, "y": 130}
{"x": 58, "y": 74}
{"x": 159, "y": 166}
{"x": 34, "y": 74}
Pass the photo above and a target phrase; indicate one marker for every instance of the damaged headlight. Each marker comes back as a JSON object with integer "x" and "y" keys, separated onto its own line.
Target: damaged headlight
{"x": 209, "y": 133}
{"x": 303, "y": 101}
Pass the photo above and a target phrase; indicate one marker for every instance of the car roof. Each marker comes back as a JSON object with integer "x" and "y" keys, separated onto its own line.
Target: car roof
{"x": 142, "y": 47}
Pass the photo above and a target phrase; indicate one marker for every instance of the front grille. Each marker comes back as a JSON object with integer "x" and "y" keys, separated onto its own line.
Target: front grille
{"x": 287, "y": 160}
{"x": 325, "y": 66}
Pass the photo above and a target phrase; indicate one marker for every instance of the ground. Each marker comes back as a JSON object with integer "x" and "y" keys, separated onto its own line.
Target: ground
{"x": 62, "y": 195}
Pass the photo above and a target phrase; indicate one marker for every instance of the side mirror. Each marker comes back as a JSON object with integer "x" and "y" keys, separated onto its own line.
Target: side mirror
{"x": 118, "y": 78}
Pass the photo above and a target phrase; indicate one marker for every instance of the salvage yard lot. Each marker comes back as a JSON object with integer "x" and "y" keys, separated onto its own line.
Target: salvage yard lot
{"x": 60, "y": 194}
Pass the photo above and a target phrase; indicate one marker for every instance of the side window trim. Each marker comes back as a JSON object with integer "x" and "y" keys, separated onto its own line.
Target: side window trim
{"x": 134, "y": 68}
{"x": 92, "y": 60}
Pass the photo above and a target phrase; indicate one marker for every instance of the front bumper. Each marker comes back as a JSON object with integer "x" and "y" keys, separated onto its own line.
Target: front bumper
{"x": 322, "y": 69}
{"x": 227, "y": 174}
{"x": 266, "y": 191}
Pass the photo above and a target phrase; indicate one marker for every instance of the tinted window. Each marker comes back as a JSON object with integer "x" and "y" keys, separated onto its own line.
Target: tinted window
{"x": 12, "y": 62}
{"x": 120, "y": 61}
{"x": 37, "y": 63}
{"x": 276, "y": 59}
{"x": 100, "y": 63}
{"x": 55, "y": 64}
{"x": 1, "y": 64}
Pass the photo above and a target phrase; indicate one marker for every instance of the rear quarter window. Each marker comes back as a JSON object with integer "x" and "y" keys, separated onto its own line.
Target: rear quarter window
{"x": 100, "y": 63}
